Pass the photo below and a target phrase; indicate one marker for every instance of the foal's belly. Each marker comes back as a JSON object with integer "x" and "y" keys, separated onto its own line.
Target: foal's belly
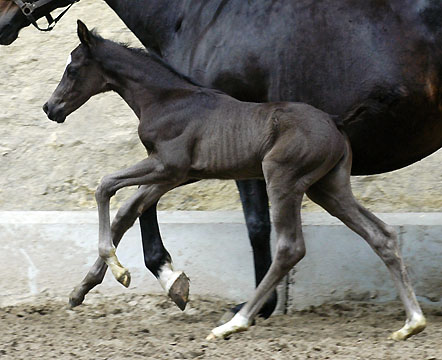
{"x": 220, "y": 162}
{"x": 226, "y": 156}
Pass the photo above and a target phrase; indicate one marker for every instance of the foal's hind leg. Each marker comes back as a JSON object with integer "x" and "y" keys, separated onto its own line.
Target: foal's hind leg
{"x": 286, "y": 198}
{"x": 333, "y": 193}
{"x": 255, "y": 205}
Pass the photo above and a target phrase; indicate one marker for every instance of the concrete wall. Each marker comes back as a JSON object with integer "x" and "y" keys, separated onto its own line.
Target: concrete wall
{"x": 50, "y": 252}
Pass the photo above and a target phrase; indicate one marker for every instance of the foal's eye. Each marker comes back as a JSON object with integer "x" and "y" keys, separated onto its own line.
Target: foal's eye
{"x": 71, "y": 71}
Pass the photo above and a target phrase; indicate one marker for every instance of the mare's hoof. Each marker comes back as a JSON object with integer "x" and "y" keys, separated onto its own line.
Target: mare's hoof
{"x": 413, "y": 327}
{"x": 179, "y": 291}
{"x": 75, "y": 299}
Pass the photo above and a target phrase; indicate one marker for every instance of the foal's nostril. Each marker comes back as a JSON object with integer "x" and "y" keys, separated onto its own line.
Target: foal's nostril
{"x": 46, "y": 108}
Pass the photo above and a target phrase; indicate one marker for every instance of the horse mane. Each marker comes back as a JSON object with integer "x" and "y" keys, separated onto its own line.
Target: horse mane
{"x": 144, "y": 54}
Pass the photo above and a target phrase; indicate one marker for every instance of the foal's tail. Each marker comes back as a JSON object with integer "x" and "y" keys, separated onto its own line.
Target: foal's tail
{"x": 347, "y": 158}
{"x": 339, "y": 121}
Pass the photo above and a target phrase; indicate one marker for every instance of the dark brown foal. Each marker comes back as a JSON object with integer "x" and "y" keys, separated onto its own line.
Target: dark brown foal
{"x": 195, "y": 133}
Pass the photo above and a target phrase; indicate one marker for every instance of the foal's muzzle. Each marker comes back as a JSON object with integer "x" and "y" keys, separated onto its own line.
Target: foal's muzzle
{"x": 54, "y": 114}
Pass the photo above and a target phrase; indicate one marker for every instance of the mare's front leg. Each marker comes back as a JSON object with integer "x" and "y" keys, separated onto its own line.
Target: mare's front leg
{"x": 158, "y": 260}
{"x": 148, "y": 171}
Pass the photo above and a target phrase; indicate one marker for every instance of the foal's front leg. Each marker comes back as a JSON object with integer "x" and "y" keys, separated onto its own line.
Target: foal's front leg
{"x": 96, "y": 273}
{"x": 148, "y": 171}
{"x": 156, "y": 258}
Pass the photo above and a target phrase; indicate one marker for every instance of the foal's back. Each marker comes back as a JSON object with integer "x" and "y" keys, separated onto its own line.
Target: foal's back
{"x": 233, "y": 138}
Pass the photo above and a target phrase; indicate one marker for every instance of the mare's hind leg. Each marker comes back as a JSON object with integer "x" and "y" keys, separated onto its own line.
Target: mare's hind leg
{"x": 286, "y": 196}
{"x": 333, "y": 193}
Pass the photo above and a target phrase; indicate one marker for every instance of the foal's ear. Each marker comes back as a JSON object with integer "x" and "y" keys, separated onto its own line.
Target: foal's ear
{"x": 85, "y": 36}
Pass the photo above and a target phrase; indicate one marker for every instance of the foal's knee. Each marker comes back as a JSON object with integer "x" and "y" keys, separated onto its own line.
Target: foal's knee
{"x": 104, "y": 252}
{"x": 105, "y": 189}
{"x": 289, "y": 254}
{"x": 123, "y": 220}
{"x": 386, "y": 245}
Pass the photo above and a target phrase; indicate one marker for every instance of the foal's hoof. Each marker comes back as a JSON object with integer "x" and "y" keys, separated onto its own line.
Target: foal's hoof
{"x": 121, "y": 274}
{"x": 124, "y": 279}
{"x": 412, "y": 327}
{"x": 228, "y": 315}
{"x": 237, "y": 324}
{"x": 179, "y": 291}
{"x": 75, "y": 298}
{"x": 265, "y": 311}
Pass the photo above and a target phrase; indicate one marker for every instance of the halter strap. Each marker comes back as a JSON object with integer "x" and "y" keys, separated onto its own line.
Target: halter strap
{"x": 28, "y": 8}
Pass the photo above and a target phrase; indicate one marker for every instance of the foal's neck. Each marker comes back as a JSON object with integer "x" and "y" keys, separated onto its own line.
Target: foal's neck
{"x": 142, "y": 80}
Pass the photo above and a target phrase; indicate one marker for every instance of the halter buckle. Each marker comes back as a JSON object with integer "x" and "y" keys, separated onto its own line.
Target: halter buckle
{"x": 27, "y": 8}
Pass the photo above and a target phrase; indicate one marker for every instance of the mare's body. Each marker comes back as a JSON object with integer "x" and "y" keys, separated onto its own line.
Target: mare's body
{"x": 195, "y": 133}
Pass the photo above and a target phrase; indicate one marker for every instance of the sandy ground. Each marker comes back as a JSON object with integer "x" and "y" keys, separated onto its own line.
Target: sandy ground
{"x": 47, "y": 166}
{"x": 151, "y": 327}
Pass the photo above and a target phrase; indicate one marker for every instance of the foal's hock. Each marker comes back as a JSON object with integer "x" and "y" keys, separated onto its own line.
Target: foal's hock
{"x": 191, "y": 132}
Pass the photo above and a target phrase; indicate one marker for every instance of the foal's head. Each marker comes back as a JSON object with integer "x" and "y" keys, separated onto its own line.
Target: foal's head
{"x": 82, "y": 78}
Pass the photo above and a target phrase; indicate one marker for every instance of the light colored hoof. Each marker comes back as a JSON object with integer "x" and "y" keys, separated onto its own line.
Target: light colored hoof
{"x": 122, "y": 275}
{"x": 228, "y": 315}
{"x": 412, "y": 327}
{"x": 237, "y": 324}
{"x": 179, "y": 291}
{"x": 211, "y": 337}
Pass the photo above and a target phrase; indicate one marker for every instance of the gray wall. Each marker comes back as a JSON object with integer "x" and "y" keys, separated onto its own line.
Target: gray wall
{"x": 50, "y": 252}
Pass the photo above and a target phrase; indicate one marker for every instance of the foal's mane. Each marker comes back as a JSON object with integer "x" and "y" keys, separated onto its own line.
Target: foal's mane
{"x": 143, "y": 55}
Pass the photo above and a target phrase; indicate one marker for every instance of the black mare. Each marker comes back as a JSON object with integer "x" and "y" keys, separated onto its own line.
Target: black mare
{"x": 376, "y": 63}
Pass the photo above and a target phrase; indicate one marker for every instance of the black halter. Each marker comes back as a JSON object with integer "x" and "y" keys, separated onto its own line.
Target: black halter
{"x": 28, "y": 8}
